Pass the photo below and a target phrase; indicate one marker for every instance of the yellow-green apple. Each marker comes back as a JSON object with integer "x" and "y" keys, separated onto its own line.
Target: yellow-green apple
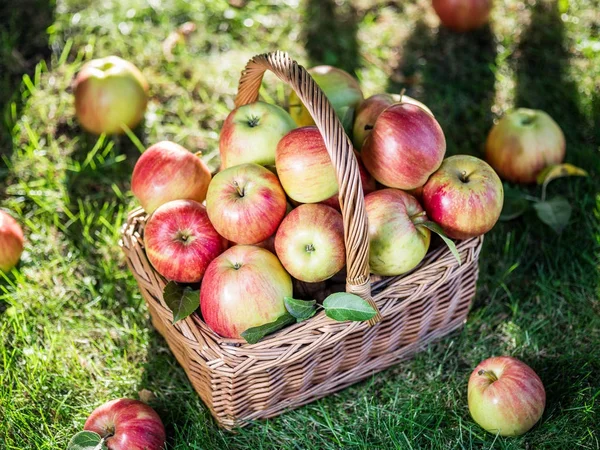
{"x": 304, "y": 166}
{"x": 246, "y": 203}
{"x": 109, "y": 93}
{"x": 405, "y": 147}
{"x": 463, "y": 15}
{"x": 251, "y": 133}
{"x": 181, "y": 242}
{"x": 368, "y": 112}
{"x": 524, "y": 142}
{"x": 506, "y": 396}
{"x": 397, "y": 239}
{"x": 243, "y": 288}
{"x": 310, "y": 243}
{"x": 341, "y": 89}
{"x": 167, "y": 171}
{"x": 11, "y": 242}
{"x": 127, "y": 424}
{"x": 464, "y": 196}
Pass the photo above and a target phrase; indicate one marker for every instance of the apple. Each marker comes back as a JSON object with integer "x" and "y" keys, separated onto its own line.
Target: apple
{"x": 341, "y": 89}
{"x": 251, "y": 133}
{"x": 246, "y": 203}
{"x": 524, "y": 142}
{"x": 127, "y": 424}
{"x": 304, "y": 166}
{"x": 180, "y": 241}
{"x": 397, "y": 240}
{"x": 11, "y": 242}
{"x": 243, "y": 288}
{"x": 506, "y": 396}
{"x": 310, "y": 243}
{"x": 167, "y": 171}
{"x": 463, "y": 15}
{"x": 405, "y": 147}
{"x": 464, "y": 196}
{"x": 368, "y": 112}
{"x": 109, "y": 93}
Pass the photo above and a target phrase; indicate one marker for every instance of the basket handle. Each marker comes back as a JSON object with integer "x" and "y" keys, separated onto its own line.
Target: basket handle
{"x": 338, "y": 145}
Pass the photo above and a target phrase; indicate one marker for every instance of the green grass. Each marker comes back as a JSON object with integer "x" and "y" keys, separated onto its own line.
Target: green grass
{"x": 74, "y": 329}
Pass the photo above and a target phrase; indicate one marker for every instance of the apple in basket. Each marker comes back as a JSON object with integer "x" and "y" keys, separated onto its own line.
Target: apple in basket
{"x": 464, "y": 196}
{"x": 243, "y": 288}
{"x": 109, "y": 93}
{"x": 251, "y": 133}
{"x": 11, "y": 242}
{"x": 405, "y": 147}
{"x": 463, "y": 15}
{"x": 167, "y": 171}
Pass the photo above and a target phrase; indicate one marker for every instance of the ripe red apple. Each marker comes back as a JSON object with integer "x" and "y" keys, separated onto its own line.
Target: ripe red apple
{"x": 304, "y": 166}
{"x": 127, "y": 424}
{"x": 506, "y": 396}
{"x": 463, "y": 15}
{"x": 109, "y": 93}
{"x": 181, "y": 242}
{"x": 397, "y": 240}
{"x": 11, "y": 242}
{"x": 465, "y": 196}
{"x": 243, "y": 288}
{"x": 524, "y": 142}
{"x": 251, "y": 133}
{"x": 167, "y": 171}
{"x": 310, "y": 243}
{"x": 246, "y": 203}
{"x": 405, "y": 147}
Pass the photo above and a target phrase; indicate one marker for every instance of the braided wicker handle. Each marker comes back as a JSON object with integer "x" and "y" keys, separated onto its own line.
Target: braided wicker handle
{"x": 340, "y": 150}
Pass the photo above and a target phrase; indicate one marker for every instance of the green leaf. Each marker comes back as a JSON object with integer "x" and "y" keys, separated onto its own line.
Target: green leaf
{"x": 86, "y": 440}
{"x": 255, "y": 334}
{"x": 182, "y": 301}
{"x": 440, "y": 231}
{"x": 346, "y": 115}
{"x": 515, "y": 204}
{"x": 555, "y": 212}
{"x": 300, "y": 309}
{"x": 344, "y": 306}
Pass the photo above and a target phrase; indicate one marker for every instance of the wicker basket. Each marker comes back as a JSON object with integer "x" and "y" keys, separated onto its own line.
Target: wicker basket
{"x": 240, "y": 382}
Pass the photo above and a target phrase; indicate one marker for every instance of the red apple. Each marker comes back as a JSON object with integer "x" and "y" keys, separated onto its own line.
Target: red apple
{"x": 524, "y": 142}
{"x": 246, "y": 203}
{"x": 506, "y": 396}
{"x": 181, "y": 242}
{"x": 310, "y": 243}
{"x": 127, "y": 424}
{"x": 109, "y": 93}
{"x": 251, "y": 133}
{"x": 405, "y": 147}
{"x": 465, "y": 196}
{"x": 463, "y": 15}
{"x": 167, "y": 171}
{"x": 367, "y": 181}
{"x": 397, "y": 240}
{"x": 243, "y": 288}
{"x": 304, "y": 166}
{"x": 11, "y": 242}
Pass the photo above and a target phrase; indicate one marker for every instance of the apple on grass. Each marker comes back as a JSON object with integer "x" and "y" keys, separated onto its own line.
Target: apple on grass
{"x": 463, "y": 15}
{"x": 464, "y": 196}
{"x": 251, "y": 133}
{"x": 109, "y": 93}
{"x": 506, "y": 396}
{"x": 243, "y": 288}
{"x": 167, "y": 171}
{"x": 11, "y": 242}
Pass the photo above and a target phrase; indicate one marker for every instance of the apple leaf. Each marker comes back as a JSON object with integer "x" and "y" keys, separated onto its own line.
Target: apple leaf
{"x": 515, "y": 204}
{"x": 558, "y": 171}
{"x": 300, "y": 309}
{"x": 555, "y": 212}
{"x": 432, "y": 226}
{"x": 346, "y": 116}
{"x": 182, "y": 301}
{"x": 255, "y": 334}
{"x": 86, "y": 440}
{"x": 343, "y": 306}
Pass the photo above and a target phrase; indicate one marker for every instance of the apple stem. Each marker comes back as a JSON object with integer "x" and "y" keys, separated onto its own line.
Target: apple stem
{"x": 239, "y": 190}
{"x": 198, "y": 153}
{"x": 402, "y": 94}
{"x": 417, "y": 216}
{"x": 489, "y": 374}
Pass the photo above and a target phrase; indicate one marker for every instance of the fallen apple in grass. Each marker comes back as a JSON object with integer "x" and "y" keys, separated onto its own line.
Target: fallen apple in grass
{"x": 506, "y": 396}
{"x": 463, "y": 15}
{"x": 11, "y": 242}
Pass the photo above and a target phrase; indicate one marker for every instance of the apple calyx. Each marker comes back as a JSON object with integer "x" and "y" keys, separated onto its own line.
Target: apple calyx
{"x": 488, "y": 374}
{"x": 309, "y": 248}
{"x": 237, "y": 266}
{"x": 253, "y": 121}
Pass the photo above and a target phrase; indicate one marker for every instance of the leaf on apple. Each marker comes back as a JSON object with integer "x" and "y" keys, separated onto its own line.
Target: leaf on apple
{"x": 300, "y": 309}
{"x": 255, "y": 334}
{"x": 515, "y": 204}
{"x": 86, "y": 440}
{"x": 432, "y": 226}
{"x": 182, "y": 301}
{"x": 555, "y": 212}
{"x": 343, "y": 306}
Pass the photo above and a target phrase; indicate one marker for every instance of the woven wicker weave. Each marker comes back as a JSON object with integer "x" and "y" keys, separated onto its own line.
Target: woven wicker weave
{"x": 240, "y": 382}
